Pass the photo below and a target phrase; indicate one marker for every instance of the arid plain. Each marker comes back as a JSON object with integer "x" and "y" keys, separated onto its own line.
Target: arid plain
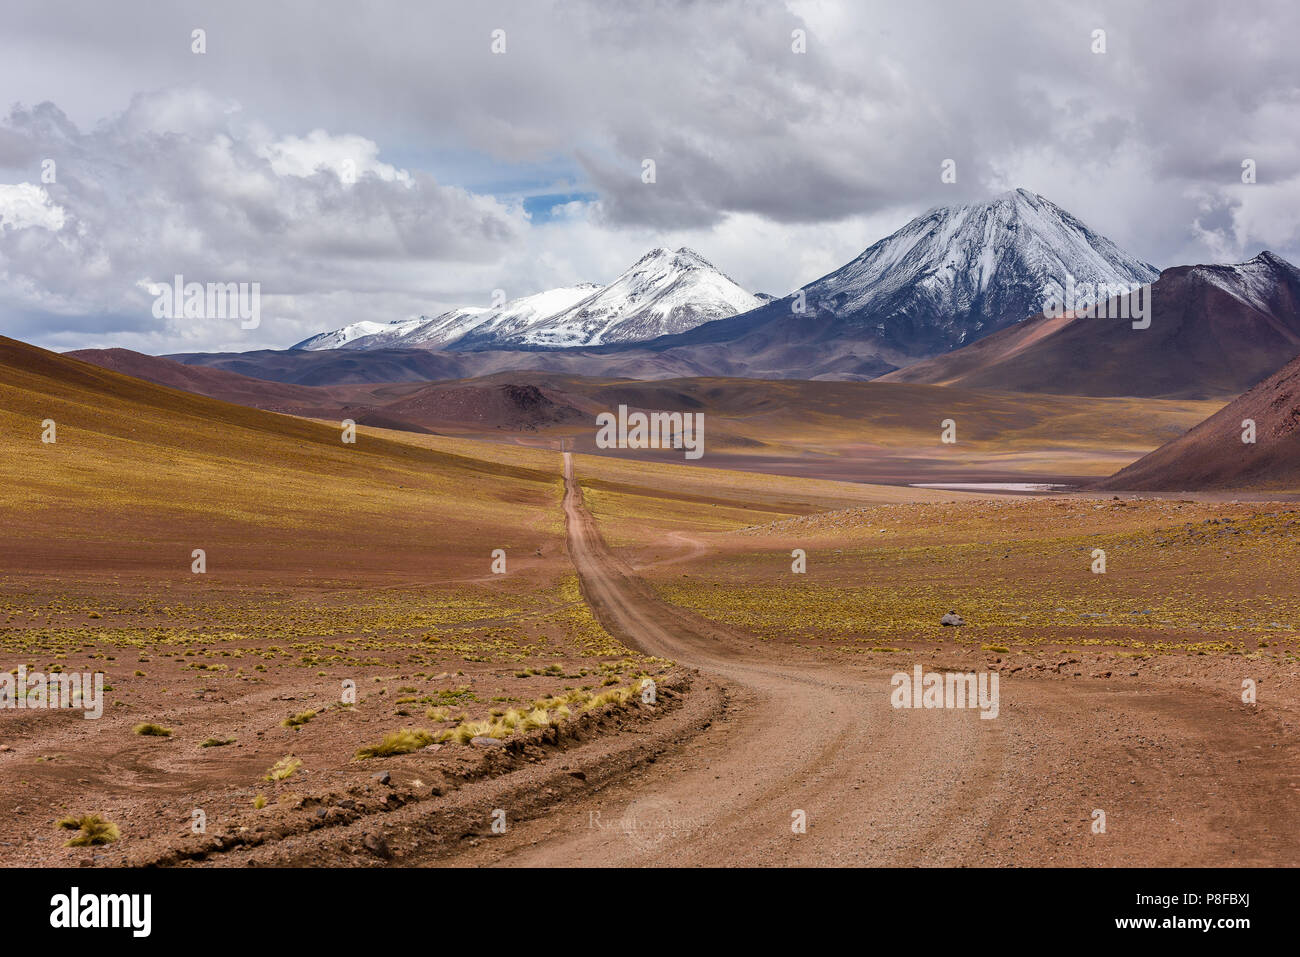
{"x": 374, "y": 565}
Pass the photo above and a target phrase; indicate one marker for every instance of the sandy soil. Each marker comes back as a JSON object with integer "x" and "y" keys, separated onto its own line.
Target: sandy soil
{"x": 369, "y": 562}
{"x": 1185, "y": 775}
{"x": 745, "y": 738}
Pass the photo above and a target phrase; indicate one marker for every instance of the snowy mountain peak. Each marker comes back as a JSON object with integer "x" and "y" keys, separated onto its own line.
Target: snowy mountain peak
{"x": 341, "y": 338}
{"x": 683, "y": 258}
{"x": 1263, "y": 260}
{"x": 1256, "y": 282}
{"x": 959, "y": 272}
{"x": 950, "y": 276}
{"x": 1272, "y": 259}
{"x": 665, "y": 291}
{"x": 1022, "y": 195}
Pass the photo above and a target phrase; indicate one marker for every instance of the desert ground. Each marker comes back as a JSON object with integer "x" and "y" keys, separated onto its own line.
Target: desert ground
{"x": 501, "y": 717}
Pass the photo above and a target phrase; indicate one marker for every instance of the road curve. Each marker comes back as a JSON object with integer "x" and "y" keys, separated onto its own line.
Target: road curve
{"x": 1183, "y": 777}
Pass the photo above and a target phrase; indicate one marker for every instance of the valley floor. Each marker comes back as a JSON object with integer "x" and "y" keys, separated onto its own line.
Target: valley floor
{"x": 1120, "y": 692}
{"x": 1164, "y": 754}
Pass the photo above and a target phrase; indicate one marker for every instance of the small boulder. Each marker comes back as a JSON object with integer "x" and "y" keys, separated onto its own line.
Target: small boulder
{"x": 383, "y": 777}
{"x": 482, "y": 741}
{"x": 952, "y": 618}
{"x": 376, "y": 845}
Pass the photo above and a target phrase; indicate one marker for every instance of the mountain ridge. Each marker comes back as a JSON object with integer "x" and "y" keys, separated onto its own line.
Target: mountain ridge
{"x": 1214, "y": 454}
{"x": 1215, "y": 330}
{"x": 946, "y": 278}
{"x": 949, "y": 276}
{"x": 664, "y": 292}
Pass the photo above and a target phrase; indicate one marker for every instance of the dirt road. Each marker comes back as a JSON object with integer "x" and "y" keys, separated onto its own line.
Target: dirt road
{"x": 1182, "y": 776}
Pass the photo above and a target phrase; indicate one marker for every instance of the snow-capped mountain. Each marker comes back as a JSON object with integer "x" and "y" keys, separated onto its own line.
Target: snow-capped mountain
{"x": 947, "y": 278}
{"x": 664, "y": 292}
{"x": 961, "y": 272}
{"x": 451, "y": 326}
{"x": 514, "y": 316}
{"x": 1267, "y": 283}
{"x": 1213, "y": 331}
{"x": 340, "y": 338}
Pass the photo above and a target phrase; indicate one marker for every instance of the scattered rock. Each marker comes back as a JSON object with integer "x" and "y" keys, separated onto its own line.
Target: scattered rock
{"x": 485, "y": 742}
{"x": 383, "y": 777}
{"x": 580, "y": 775}
{"x": 376, "y": 845}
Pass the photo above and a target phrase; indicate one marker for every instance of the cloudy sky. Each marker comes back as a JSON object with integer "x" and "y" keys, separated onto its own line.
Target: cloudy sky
{"x": 380, "y": 160}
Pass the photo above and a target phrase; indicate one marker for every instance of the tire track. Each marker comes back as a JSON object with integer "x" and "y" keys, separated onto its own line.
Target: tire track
{"x": 881, "y": 786}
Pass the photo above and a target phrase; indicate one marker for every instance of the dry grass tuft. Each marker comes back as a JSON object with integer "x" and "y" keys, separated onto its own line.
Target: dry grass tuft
{"x": 298, "y": 720}
{"x": 283, "y": 768}
{"x": 398, "y": 742}
{"x": 92, "y": 829}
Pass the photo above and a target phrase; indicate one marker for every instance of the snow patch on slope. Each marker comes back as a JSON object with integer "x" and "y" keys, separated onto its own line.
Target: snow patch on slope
{"x": 1252, "y": 283}
{"x": 357, "y": 330}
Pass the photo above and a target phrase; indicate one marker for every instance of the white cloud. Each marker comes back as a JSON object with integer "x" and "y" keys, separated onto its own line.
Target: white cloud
{"x": 181, "y": 182}
{"x": 24, "y": 205}
{"x": 347, "y": 157}
{"x": 316, "y": 154}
